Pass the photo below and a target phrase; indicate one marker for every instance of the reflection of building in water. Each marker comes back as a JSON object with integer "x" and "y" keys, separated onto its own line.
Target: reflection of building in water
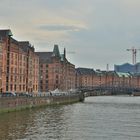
{"x": 33, "y": 124}
{"x": 14, "y": 125}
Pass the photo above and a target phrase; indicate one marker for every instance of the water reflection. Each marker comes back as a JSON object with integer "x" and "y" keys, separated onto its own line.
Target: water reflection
{"x": 33, "y": 124}
{"x": 98, "y": 118}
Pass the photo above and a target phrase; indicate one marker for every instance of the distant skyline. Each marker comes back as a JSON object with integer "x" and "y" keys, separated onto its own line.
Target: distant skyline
{"x": 98, "y": 31}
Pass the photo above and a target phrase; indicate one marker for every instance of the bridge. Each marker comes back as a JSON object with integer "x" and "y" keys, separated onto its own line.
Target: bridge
{"x": 110, "y": 89}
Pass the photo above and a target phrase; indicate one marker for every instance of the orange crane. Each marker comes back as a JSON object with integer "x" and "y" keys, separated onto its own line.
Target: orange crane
{"x": 134, "y": 54}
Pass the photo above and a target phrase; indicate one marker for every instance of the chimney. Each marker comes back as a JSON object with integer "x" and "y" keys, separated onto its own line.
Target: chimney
{"x": 64, "y": 53}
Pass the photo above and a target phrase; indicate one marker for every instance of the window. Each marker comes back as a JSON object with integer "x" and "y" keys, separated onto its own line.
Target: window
{"x": 12, "y": 61}
{"x": 11, "y": 87}
{"x": 15, "y": 70}
{"x": 15, "y": 87}
{"x": 56, "y": 81}
{"x": 7, "y": 79}
{"x": 11, "y": 70}
{"x": 20, "y": 79}
{"x": 16, "y": 56}
{"x": 11, "y": 78}
{"x": 20, "y": 87}
{"x": 20, "y": 57}
{"x": 23, "y": 87}
{"x": 11, "y": 55}
{"x": 24, "y": 58}
{"x": 6, "y": 88}
{"x": 15, "y": 78}
{"x": 41, "y": 65}
{"x": 41, "y": 71}
{"x": 56, "y": 76}
{"x": 7, "y": 69}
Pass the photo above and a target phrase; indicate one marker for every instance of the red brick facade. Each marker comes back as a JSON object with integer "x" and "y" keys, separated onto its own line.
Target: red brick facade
{"x": 1, "y": 63}
{"x": 55, "y": 71}
{"x": 18, "y": 62}
{"x": 88, "y": 78}
{"x": 24, "y": 70}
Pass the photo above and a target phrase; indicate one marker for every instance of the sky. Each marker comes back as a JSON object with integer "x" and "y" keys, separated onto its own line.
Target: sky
{"x": 97, "y": 31}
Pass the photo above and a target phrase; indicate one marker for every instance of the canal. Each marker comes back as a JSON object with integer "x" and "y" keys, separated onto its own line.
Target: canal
{"x": 98, "y": 118}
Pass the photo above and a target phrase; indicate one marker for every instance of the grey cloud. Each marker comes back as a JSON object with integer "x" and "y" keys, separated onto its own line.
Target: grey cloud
{"x": 60, "y": 27}
{"x": 113, "y": 26}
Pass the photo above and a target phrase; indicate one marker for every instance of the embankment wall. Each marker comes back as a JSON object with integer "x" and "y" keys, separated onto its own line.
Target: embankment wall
{"x": 8, "y": 104}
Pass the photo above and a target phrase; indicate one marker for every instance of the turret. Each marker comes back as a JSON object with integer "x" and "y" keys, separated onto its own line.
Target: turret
{"x": 56, "y": 51}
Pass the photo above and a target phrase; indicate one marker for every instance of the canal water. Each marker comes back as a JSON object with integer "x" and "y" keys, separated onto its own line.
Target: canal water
{"x": 98, "y": 118}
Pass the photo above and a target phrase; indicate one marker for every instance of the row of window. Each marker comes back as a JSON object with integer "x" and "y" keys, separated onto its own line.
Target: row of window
{"x": 17, "y": 57}
{"x": 21, "y": 87}
{"x": 41, "y": 82}
{"x": 15, "y": 70}
{"x": 45, "y": 65}
{"x": 42, "y": 71}
{"x": 15, "y": 79}
{"x": 41, "y": 76}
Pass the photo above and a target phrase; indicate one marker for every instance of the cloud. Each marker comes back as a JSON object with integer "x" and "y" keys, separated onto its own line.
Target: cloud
{"x": 60, "y": 27}
{"x": 99, "y": 30}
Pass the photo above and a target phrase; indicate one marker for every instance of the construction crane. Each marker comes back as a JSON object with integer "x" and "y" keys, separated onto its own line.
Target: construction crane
{"x": 134, "y": 54}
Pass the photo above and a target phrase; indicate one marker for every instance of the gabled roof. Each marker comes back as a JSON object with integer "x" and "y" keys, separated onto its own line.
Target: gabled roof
{"x": 5, "y": 33}
{"x": 123, "y": 74}
{"x": 45, "y": 57}
{"x": 25, "y": 46}
{"x": 100, "y": 72}
{"x": 14, "y": 41}
{"x": 85, "y": 71}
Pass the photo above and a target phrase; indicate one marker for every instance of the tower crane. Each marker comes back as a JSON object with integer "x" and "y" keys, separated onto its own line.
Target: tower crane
{"x": 134, "y": 54}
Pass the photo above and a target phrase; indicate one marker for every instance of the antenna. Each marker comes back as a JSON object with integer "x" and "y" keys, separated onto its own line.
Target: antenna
{"x": 107, "y": 67}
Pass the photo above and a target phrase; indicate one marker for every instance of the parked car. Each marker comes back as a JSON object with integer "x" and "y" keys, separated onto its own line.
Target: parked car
{"x": 7, "y": 94}
{"x": 24, "y": 94}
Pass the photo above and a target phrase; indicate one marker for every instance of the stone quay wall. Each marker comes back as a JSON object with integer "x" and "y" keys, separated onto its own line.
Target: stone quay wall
{"x": 8, "y": 104}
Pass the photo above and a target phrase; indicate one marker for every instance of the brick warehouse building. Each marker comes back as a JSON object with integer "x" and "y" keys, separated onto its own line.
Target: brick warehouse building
{"x": 55, "y": 71}
{"x": 19, "y": 65}
{"x": 84, "y": 77}
{"x": 1, "y": 63}
{"x": 88, "y": 78}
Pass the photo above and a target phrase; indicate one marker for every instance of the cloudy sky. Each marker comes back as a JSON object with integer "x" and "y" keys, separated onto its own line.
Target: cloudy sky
{"x": 98, "y": 31}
